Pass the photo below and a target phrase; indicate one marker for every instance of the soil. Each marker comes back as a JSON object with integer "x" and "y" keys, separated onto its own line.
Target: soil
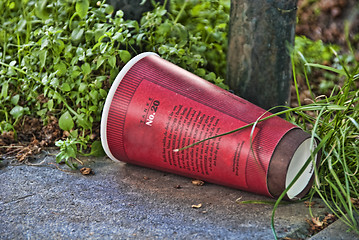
{"x": 326, "y": 20}
{"x": 317, "y": 20}
{"x": 333, "y": 22}
{"x": 31, "y": 135}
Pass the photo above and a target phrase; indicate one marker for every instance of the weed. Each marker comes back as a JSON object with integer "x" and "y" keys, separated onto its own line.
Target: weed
{"x": 67, "y": 53}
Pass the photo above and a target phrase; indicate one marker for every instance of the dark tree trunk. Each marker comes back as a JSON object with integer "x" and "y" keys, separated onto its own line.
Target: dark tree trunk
{"x": 259, "y": 66}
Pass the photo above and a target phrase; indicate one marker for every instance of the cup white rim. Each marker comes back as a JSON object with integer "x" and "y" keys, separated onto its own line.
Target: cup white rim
{"x": 299, "y": 159}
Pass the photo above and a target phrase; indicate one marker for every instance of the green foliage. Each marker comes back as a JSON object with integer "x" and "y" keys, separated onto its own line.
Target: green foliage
{"x": 308, "y": 51}
{"x": 68, "y": 151}
{"x": 208, "y": 22}
{"x": 337, "y": 128}
{"x": 334, "y": 120}
{"x": 193, "y": 35}
{"x": 67, "y": 53}
{"x": 63, "y": 52}
{"x": 312, "y": 51}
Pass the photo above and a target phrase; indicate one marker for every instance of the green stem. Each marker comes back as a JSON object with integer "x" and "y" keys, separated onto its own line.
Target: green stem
{"x": 295, "y": 80}
{"x": 164, "y": 5}
{"x": 181, "y": 11}
{"x": 310, "y": 107}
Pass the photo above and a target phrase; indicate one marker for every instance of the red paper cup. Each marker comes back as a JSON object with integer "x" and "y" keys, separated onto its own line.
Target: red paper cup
{"x": 155, "y": 107}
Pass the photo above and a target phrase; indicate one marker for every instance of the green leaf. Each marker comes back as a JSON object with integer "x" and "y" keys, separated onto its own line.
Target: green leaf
{"x": 12, "y": 5}
{"x": 77, "y": 34}
{"x": 55, "y": 83}
{"x": 60, "y": 68}
{"x": 15, "y": 99}
{"x": 82, "y": 7}
{"x": 103, "y": 93}
{"x": 80, "y": 52}
{"x": 83, "y": 122}
{"x": 125, "y": 56}
{"x": 89, "y": 35}
{"x": 42, "y": 57}
{"x": 75, "y": 73}
{"x": 41, "y": 9}
{"x": 118, "y": 36}
{"x": 99, "y": 33}
{"x": 339, "y": 71}
{"x": 50, "y": 104}
{"x": 71, "y": 151}
{"x": 42, "y": 112}
{"x": 211, "y": 76}
{"x": 93, "y": 108}
{"x": 162, "y": 12}
{"x": 17, "y": 111}
{"x": 65, "y": 87}
{"x": 65, "y": 122}
{"x": 86, "y": 68}
{"x": 356, "y": 124}
{"x": 60, "y": 156}
{"x": 112, "y": 61}
{"x": 100, "y": 15}
{"x": 74, "y": 133}
{"x": 58, "y": 46}
{"x": 97, "y": 150}
{"x": 103, "y": 47}
{"x": 4, "y": 90}
{"x": 94, "y": 94}
{"x": 82, "y": 87}
{"x": 109, "y": 9}
{"x": 100, "y": 61}
{"x": 164, "y": 28}
{"x": 162, "y": 50}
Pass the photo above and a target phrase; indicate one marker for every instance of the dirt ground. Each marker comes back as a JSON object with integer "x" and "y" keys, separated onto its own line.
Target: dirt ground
{"x": 326, "y": 20}
{"x": 333, "y": 22}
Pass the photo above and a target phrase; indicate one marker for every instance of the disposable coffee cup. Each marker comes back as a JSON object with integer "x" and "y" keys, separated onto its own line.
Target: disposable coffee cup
{"x": 155, "y": 108}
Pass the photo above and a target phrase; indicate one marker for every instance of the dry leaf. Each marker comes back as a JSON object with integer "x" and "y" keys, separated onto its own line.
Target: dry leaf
{"x": 355, "y": 202}
{"x": 197, "y": 206}
{"x": 309, "y": 203}
{"x": 317, "y": 222}
{"x": 86, "y": 171}
{"x": 329, "y": 218}
{"x": 197, "y": 182}
{"x": 238, "y": 200}
{"x": 317, "y": 225}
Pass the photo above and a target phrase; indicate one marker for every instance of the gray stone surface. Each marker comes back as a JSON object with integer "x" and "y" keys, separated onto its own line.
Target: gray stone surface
{"x": 122, "y": 201}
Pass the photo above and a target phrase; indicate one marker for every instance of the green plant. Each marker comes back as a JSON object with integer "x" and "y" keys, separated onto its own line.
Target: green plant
{"x": 63, "y": 52}
{"x": 308, "y": 51}
{"x": 336, "y": 125}
{"x": 60, "y": 57}
{"x": 208, "y": 21}
{"x": 193, "y": 35}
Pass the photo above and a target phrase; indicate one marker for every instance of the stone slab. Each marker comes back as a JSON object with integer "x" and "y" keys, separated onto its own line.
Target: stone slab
{"x": 123, "y": 201}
